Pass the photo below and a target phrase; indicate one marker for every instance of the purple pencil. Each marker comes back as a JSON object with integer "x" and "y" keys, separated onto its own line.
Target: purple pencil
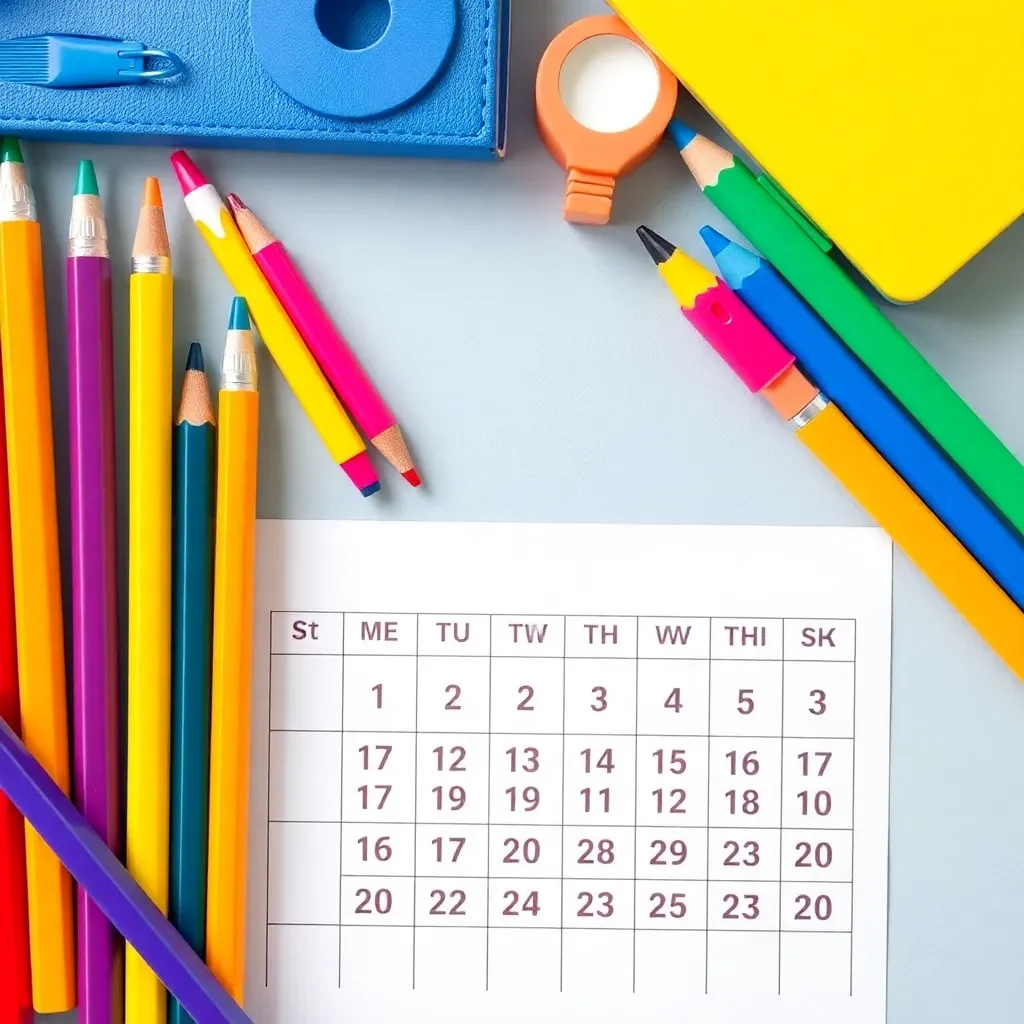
{"x": 93, "y": 575}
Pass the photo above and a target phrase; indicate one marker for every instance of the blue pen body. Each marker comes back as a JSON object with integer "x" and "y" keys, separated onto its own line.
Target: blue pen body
{"x": 878, "y": 416}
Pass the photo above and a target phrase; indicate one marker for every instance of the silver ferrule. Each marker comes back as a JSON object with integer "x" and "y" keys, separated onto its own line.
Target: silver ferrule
{"x": 238, "y": 368}
{"x": 151, "y": 264}
{"x": 87, "y": 235}
{"x": 17, "y": 202}
{"x": 816, "y": 405}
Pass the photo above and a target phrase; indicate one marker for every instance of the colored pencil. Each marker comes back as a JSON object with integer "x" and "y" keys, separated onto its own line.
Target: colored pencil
{"x": 151, "y": 301}
{"x": 36, "y": 559}
{"x": 130, "y": 911}
{"x": 294, "y": 360}
{"x": 800, "y": 255}
{"x": 93, "y": 456}
{"x": 330, "y": 349}
{"x": 878, "y": 416}
{"x": 190, "y": 662}
{"x": 15, "y": 966}
{"x": 231, "y": 678}
{"x": 767, "y": 368}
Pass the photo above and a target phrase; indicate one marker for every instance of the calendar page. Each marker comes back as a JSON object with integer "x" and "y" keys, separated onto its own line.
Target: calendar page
{"x": 569, "y": 773}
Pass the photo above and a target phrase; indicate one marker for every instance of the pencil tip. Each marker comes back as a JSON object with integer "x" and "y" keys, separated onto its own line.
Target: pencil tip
{"x": 189, "y": 176}
{"x": 682, "y": 135}
{"x": 370, "y": 489}
{"x": 234, "y": 202}
{"x": 239, "y": 320}
{"x": 151, "y": 195}
{"x": 660, "y": 249}
{"x": 413, "y": 477}
{"x": 10, "y": 153}
{"x": 195, "y": 359}
{"x": 714, "y": 240}
{"x": 86, "y": 184}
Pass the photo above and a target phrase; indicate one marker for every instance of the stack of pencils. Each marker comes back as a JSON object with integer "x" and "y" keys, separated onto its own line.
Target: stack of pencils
{"x": 797, "y": 330}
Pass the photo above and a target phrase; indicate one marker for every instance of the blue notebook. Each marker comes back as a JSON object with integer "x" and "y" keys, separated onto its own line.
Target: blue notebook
{"x": 409, "y": 77}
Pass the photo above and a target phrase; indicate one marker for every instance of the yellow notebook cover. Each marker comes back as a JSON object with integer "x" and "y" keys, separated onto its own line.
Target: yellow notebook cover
{"x": 897, "y": 125}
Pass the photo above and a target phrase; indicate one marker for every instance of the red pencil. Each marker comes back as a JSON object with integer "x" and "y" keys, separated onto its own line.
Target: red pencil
{"x": 15, "y": 973}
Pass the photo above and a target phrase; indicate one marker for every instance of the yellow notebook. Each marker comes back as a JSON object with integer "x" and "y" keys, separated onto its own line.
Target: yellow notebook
{"x": 897, "y": 125}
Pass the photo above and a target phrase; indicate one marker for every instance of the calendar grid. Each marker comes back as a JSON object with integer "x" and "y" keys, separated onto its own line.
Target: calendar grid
{"x": 561, "y": 841}
{"x": 487, "y": 940}
{"x": 853, "y": 797}
{"x": 782, "y": 803}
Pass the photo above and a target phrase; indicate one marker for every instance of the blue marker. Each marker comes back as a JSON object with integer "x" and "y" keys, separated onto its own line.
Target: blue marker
{"x": 878, "y": 416}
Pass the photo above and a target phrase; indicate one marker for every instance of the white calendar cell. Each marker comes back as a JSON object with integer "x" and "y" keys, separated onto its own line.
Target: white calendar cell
{"x": 527, "y": 636}
{"x": 527, "y": 695}
{"x": 452, "y": 850}
{"x": 524, "y": 958}
{"x": 305, "y": 959}
{"x": 453, "y": 695}
{"x": 305, "y": 692}
{"x": 374, "y": 961}
{"x": 819, "y": 699}
{"x": 446, "y": 902}
{"x": 671, "y": 963}
{"x": 747, "y": 639}
{"x": 599, "y": 963}
{"x": 380, "y": 694}
{"x": 305, "y": 776}
{"x": 307, "y": 633}
{"x": 379, "y": 773}
{"x": 385, "y": 849}
{"x": 746, "y": 698}
{"x": 671, "y": 853}
{"x": 526, "y": 780}
{"x": 309, "y": 896}
{"x": 460, "y": 636}
{"x": 598, "y": 636}
{"x": 451, "y": 778}
{"x": 525, "y": 903}
{"x": 743, "y": 906}
{"x": 674, "y": 638}
{"x": 825, "y": 856}
{"x": 736, "y": 854}
{"x": 600, "y": 696}
{"x": 814, "y": 965}
{"x": 750, "y": 957}
{"x": 817, "y": 784}
{"x": 816, "y": 906}
{"x": 672, "y": 698}
{"x": 377, "y": 900}
{"x": 526, "y": 851}
{"x": 820, "y": 640}
{"x": 746, "y": 782}
{"x": 671, "y": 905}
{"x": 451, "y": 963}
{"x": 380, "y": 633}
{"x": 599, "y": 780}
{"x": 594, "y": 852}
{"x": 597, "y": 903}
{"x": 664, "y": 766}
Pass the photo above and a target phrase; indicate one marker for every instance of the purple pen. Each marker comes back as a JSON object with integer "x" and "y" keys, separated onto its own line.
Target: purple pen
{"x": 93, "y": 576}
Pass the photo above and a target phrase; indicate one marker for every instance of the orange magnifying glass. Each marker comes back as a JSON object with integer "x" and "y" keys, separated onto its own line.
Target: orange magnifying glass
{"x": 603, "y": 103}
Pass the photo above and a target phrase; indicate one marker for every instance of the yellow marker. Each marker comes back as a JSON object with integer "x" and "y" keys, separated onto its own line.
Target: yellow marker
{"x": 149, "y": 585}
{"x": 37, "y": 593}
{"x": 232, "y": 657}
{"x": 278, "y": 332}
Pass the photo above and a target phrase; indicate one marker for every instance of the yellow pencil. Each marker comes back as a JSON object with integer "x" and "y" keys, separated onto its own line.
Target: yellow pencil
{"x": 279, "y": 334}
{"x": 149, "y": 584}
{"x": 232, "y": 656}
{"x": 37, "y": 593}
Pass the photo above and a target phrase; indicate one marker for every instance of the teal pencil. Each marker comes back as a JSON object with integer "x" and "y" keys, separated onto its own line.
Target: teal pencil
{"x": 194, "y": 500}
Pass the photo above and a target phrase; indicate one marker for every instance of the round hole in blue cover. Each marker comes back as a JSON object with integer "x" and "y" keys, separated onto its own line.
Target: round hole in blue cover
{"x": 353, "y": 24}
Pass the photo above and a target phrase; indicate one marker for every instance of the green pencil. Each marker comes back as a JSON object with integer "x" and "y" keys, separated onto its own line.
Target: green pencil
{"x": 800, "y": 254}
{"x": 193, "y": 503}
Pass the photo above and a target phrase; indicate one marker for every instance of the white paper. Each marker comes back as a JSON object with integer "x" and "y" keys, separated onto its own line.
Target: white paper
{"x": 569, "y": 773}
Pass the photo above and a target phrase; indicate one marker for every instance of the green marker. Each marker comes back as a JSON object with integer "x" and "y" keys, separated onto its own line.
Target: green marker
{"x": 800, "y": 253}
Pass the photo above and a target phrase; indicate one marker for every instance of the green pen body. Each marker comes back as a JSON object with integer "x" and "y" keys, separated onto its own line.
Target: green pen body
{"x": 193, "y": 520}
{"x": 911, "y": 379}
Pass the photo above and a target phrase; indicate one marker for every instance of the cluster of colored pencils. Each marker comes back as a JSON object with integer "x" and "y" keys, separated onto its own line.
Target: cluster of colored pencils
{"x": 863, "y": 399}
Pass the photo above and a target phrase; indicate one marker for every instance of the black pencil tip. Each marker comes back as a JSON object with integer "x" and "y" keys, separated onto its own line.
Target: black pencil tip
{"x": 660, "y": 248}
{"x": 195, "y": 357}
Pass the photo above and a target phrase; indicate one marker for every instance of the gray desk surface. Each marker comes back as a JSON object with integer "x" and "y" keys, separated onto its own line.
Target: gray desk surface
{"x": 543, "y": 373}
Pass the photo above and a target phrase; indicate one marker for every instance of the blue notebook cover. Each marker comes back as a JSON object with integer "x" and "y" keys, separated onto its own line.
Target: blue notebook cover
{"x": 282, "y": 74}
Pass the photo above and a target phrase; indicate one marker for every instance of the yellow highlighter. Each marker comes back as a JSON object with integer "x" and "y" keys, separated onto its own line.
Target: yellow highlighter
{"x": 37, "y": 589}
{"x": 231, "y": 675}
{"x": 767, "y": 368}
{"x": 151, "y": 296}
{"x": 279, "y": 334}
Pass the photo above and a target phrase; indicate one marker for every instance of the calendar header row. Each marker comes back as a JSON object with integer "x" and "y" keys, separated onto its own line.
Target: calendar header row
{"x": 557, "y": 636}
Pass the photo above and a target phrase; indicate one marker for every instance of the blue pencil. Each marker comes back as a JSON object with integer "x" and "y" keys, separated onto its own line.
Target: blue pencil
{"x": 878, "y": 416}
